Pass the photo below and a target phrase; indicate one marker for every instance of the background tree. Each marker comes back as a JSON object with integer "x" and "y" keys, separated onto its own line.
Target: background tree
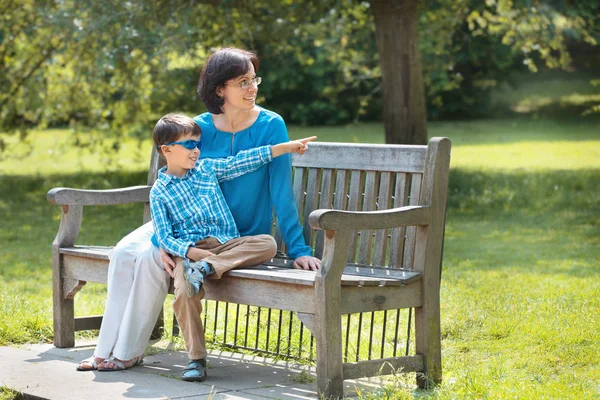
{"x": 113, "y": 67}
{"x": 404, "y": 113}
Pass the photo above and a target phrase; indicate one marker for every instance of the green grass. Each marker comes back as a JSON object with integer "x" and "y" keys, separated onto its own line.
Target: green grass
{"x": 521, "y": 261}
{"x": 548, "y": 94}
{"x": 8, "y": 394}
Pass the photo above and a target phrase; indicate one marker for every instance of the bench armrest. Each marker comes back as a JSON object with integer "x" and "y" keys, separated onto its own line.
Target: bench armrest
{"x": 356, "y": 220}
{"x": 82, "y": 197}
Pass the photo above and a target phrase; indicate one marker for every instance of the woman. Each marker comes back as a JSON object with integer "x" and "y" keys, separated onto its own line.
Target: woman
{"x": 137, "y": 285}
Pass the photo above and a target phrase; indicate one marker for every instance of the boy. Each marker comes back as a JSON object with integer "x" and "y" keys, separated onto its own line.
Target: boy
{"x": 193, "y": 222}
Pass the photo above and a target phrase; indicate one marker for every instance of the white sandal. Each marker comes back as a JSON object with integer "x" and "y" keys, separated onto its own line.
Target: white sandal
{"x": 92, "y": 361}
{"x": 121, "y": 364}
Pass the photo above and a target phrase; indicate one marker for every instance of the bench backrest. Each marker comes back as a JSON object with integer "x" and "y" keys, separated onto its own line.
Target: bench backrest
{"x": 355, "y": 177}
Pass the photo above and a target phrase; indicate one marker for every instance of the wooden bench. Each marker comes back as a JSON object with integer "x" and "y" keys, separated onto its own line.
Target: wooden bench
{"x": 378, "y": 215}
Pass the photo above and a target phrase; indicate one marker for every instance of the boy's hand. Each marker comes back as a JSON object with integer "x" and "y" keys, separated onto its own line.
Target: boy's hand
{"x": 196, "y": 254}
{"x": 300, "y": 146}
{"x": 168, "y": 263}
{"x": 294, "y": 146}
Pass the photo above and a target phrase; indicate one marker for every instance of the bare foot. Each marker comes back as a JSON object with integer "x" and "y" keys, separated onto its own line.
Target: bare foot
{"x": 90, "y": 364}
{"x": 114, "y": 364}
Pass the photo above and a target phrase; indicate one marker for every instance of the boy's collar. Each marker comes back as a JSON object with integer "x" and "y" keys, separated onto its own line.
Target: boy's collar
{"x": 168, "y": 178}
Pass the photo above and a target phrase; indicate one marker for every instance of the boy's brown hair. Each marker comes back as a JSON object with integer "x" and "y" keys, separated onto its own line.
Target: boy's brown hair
{"x": 173, "y": 126}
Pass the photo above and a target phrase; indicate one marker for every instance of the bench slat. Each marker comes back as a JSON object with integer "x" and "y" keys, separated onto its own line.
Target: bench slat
{"x": 411, "y": 231}
{"x": 325, "y": 201}
{"x": 366, "y": 236}
{"x": 279, "y": 270}
{"x": 354, "y": 203}
{"x": 367, "y": 157}
{"x": 397, "y": 234}
{"x": 381, "y": 236}
{"x": 310, "y": 204}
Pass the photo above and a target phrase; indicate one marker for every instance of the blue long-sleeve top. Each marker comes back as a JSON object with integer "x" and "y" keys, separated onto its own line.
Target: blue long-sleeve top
{"x": 252, "y": 197}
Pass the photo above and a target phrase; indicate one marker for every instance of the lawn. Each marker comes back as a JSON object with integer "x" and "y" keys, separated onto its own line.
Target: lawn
{"x": 520, "y": 282}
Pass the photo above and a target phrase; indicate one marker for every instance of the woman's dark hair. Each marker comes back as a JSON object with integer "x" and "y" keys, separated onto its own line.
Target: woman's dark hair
{"x": 223, "y": 65}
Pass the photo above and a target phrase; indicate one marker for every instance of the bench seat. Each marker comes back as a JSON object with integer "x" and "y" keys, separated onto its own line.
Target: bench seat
{"x": 278, "y": 270}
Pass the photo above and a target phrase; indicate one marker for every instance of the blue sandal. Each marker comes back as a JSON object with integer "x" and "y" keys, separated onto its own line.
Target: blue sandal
{"x": 195, "y": 371}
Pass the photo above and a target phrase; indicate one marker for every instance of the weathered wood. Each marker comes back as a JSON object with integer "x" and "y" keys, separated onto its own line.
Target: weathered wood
{"x": 64, "y": 313}
{"x": 403, "y": 216}
{"x": 90, "y": 263}
{"x": 377, "y": 298}
{"x": 354, "y": 202}
{"x": 310, "y": 203}
{"x": 387, "y": 276}
{"x": 328, "y": 326}
{"x": 299, "y": 187}
{"x": 409, "y": 241}
{"x": 366, "y": 157}
{"x": 97, "y": 252}
{"x": 308, "y": 320}
{"x": 88, "y": 323}
{"x": 397, "y": 234}
{"x": 341, "y": 199}
{"x": 384, "y": 366}
{"x": 428, "y": 259}
{"x": 71, "y": 287}
{"x": 68, "y": 196}
{"x": 156, "y": 162}
{"x": 381, "y": 235}
{"x": 325, "y": 201}
{"x": 266, "y": 293}
{"x": 85, "y": 269}
{"x": 366, "y": 236}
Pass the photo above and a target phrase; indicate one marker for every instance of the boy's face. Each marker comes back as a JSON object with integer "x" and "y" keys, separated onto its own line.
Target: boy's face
{"x": 179, "y": 158}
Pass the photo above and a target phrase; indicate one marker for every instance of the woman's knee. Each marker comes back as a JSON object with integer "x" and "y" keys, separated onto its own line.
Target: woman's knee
{"x": 124, "y": 252}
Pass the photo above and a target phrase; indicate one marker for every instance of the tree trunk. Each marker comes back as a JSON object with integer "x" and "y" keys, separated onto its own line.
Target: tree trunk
{"x": 404, "y": 113}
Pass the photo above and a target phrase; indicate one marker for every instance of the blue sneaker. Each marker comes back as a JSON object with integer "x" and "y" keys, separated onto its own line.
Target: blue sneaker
{"x": 194, "y": 274}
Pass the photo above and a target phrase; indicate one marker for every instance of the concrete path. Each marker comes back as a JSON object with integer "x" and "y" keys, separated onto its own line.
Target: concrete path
{"x": 43, "y": 371}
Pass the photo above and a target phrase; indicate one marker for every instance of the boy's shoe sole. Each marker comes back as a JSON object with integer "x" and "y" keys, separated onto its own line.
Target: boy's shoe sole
{"x": 190, "y": 288}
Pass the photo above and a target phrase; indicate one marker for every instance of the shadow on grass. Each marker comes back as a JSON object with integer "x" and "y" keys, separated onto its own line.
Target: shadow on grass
{"x": 541, "y": 223}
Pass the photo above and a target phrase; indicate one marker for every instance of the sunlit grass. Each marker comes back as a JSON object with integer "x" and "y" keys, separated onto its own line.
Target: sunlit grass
{"x": 521, "y": 259}
{"x": 505, "y": 144}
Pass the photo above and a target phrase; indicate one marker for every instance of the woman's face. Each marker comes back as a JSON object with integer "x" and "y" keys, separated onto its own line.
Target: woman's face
{"x": 240, "y": 93}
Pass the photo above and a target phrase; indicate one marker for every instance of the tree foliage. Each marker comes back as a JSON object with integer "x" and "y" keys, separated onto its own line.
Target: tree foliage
{"x": 116, "y": 66}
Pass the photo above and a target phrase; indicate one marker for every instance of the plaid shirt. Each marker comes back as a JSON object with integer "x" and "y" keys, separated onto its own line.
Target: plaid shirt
{"x": 186, "y": 210}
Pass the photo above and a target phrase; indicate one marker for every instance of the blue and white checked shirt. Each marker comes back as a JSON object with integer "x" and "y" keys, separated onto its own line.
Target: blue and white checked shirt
{"x": 186, "y": 210}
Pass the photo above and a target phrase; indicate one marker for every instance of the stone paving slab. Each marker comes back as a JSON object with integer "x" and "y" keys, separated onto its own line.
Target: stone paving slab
{"x": 49, "y": 373}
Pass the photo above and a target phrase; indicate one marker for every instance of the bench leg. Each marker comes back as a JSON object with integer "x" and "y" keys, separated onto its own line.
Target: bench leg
{"x": 328, "y": 335}
{"x": 62, "y": 304}
{"x": 64, "y": 321}
{"x": 428, "y": 344}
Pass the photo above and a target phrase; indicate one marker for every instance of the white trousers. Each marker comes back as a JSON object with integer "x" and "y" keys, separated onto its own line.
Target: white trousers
{"x": 137, "y": 288}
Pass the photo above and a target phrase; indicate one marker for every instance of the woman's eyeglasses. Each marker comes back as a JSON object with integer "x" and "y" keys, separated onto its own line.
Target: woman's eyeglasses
{"x": 246, "y": 84}
{"x": 188, "y": 144}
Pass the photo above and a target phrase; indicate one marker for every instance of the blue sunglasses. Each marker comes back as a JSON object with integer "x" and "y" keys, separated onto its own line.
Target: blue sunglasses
{"x": 188, "y": 144}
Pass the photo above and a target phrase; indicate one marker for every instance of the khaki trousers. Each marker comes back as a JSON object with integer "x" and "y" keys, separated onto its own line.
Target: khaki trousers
{"x": 245, "y": 251}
